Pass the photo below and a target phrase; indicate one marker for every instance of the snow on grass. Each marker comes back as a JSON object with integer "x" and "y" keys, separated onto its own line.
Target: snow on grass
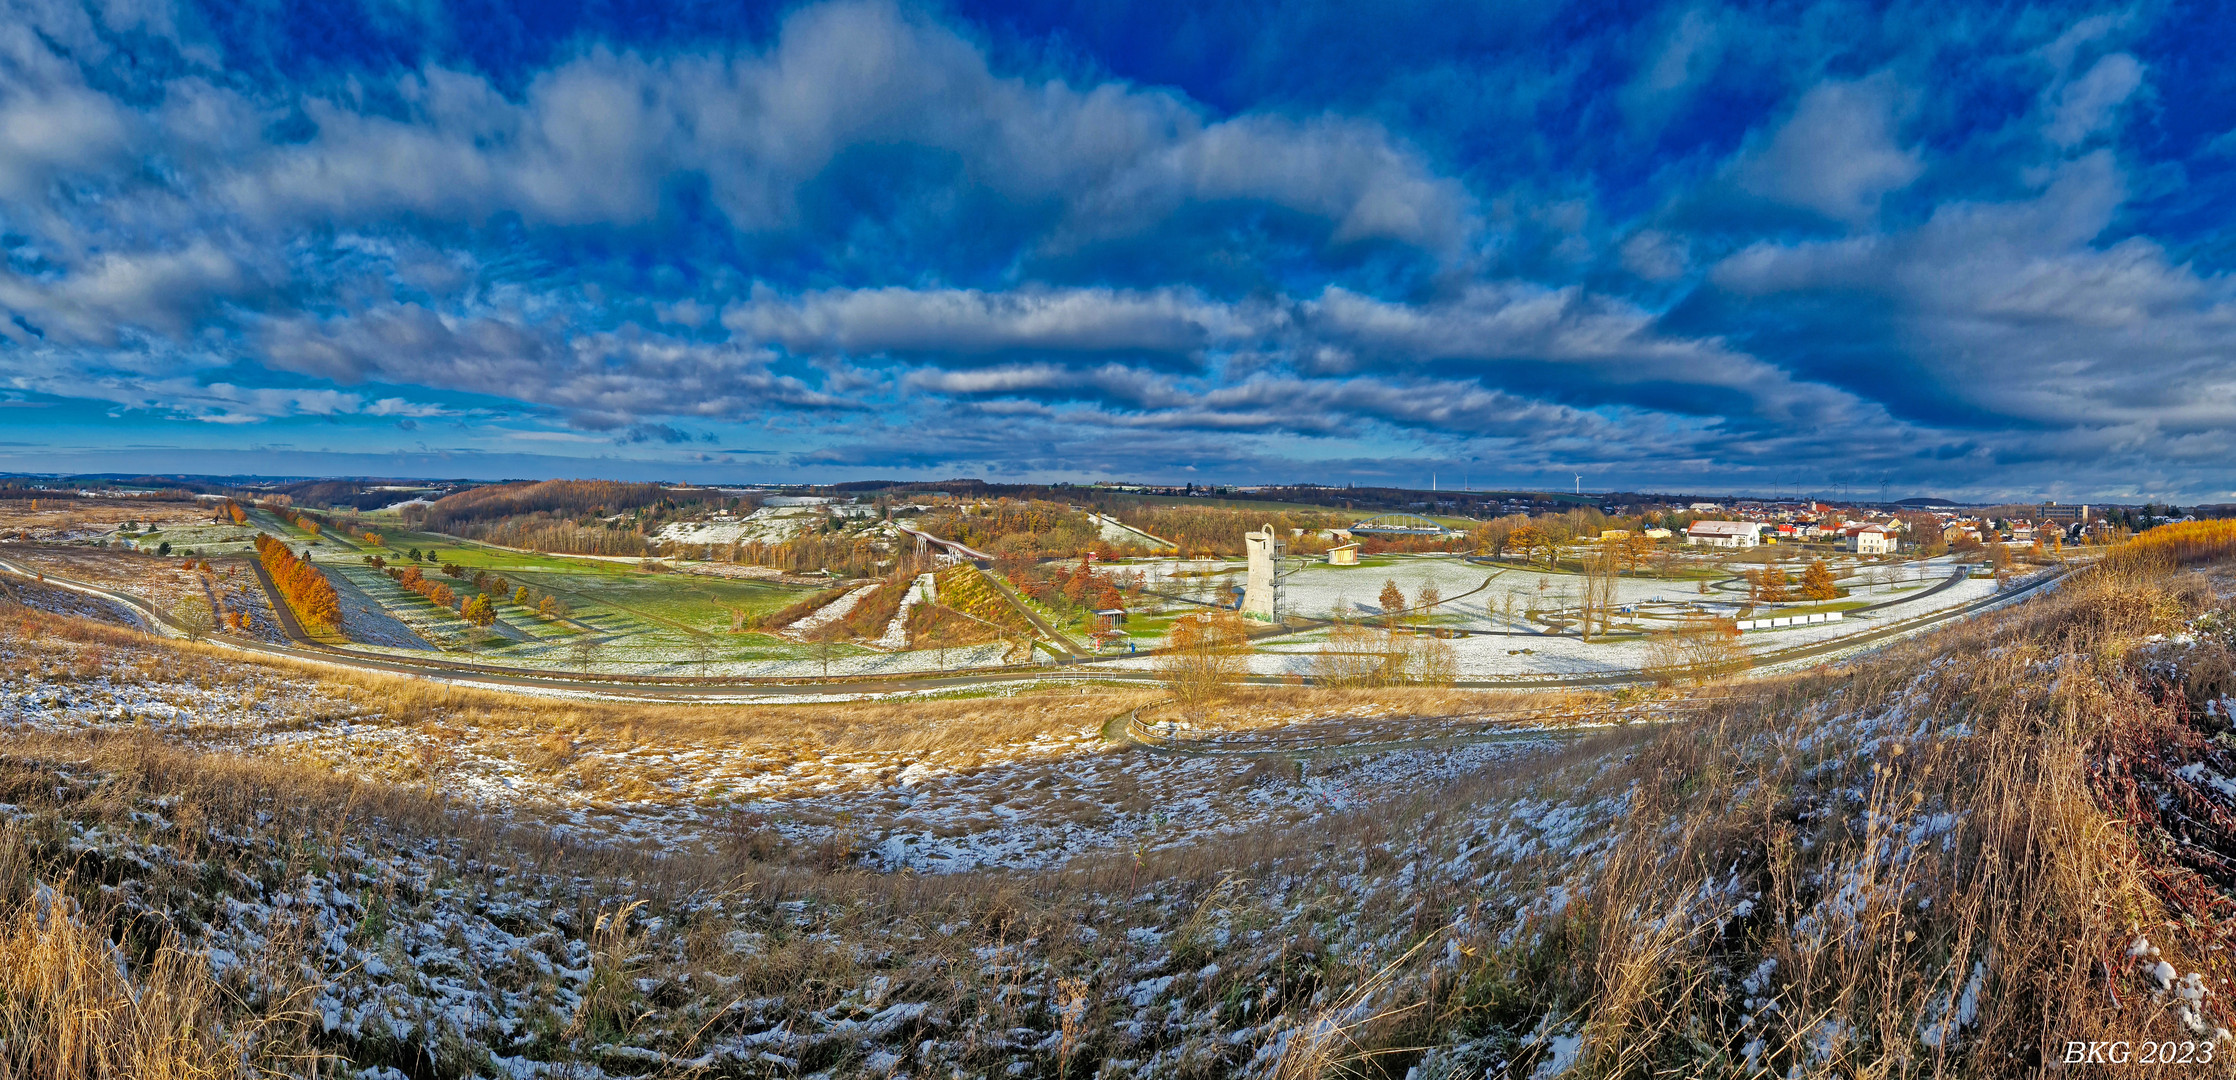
{"x": 831, "y": 612}
{"x": 767, "y": 525}
{"x": 895, "y": 637}
{"x": 367, "y": 620}
{"x": 1035, "y": 802}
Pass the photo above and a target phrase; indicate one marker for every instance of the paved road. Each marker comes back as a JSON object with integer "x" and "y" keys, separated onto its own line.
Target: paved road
{"x": 637, "y": 688}
{"x": 281, "y": 610}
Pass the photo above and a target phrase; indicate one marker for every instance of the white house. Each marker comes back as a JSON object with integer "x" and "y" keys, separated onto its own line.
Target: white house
{"x": 1725, "y": 534}
{"x": 1873, "y": 540}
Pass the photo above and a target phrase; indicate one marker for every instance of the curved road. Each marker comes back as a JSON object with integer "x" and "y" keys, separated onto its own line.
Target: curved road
{"x": 747, "y": 688}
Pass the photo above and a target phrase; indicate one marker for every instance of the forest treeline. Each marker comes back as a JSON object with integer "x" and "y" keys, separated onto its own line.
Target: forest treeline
{"x": 550, "y": 532}
{"x": 559, "y": 498}
{"x": 839, "y": 553}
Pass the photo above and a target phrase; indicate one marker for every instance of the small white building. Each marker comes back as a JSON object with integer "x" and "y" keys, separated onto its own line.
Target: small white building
{"x": 1724, "y": 534}
{"x": 1873, "y": 540}
{"x": 1343, "y": 555}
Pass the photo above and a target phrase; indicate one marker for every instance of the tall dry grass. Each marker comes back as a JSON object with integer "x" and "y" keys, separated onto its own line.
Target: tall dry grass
{"x": 2182, "y": 543}
{"x": 1915, "y": 866}
{"x": 75, "y": 1004}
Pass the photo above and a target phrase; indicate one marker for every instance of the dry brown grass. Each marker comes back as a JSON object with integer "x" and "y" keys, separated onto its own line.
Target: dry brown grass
{"x": 77, "y": 1005}
{"x": 1277, "y": 705}
{"x": 2025, "y": 888}
{"x": 1782, "y": 798}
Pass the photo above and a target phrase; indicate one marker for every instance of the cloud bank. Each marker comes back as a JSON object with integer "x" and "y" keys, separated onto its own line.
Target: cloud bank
{"x": 1845, "y": 244}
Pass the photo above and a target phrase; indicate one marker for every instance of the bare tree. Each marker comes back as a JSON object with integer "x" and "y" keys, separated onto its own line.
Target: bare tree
{"x": 1600, "y": 571}
{"x": 1207, "y": 651}
{"x": 194, "y": 616}
{"x": 1425, "y": 601}
{"x": 823, "y": 645}
{"x": 582, "y": 650}
{"x": 1698, "y": 650}
{"x": 1348, "y": 657}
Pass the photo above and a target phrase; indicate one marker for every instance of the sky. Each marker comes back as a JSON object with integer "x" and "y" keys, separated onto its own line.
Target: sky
{"x": 1966, "y": 250}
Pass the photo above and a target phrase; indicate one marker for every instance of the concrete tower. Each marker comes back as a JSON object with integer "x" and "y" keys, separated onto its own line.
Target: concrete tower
{"x": 1265, "y": 549}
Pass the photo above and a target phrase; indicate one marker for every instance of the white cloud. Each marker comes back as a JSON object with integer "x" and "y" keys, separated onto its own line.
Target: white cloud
{"x": 1685, "y": 55}
{"x": 2090, "y": 104}
{"x": 604, "y": 380}
{"x": 1656, "y": 255}
{"x": 973, "y": 322}
{"x": 1837, "y": 154}
{"x": 595, "y": 139}
{"x": 2012, "y": 309}
{"x": 163, "y": 290}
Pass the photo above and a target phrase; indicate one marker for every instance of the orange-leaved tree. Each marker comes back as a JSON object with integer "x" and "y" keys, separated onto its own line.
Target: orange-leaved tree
{"x": 300, "y": 584}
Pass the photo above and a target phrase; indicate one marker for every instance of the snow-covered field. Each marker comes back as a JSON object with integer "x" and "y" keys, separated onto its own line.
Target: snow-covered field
{"x": 767, "y": 525}
{"x": 831, "y": 612}
{"x": 367, "y": 618}
{"x": 1480, "y": 596}
{"x": 1520, "y": 649}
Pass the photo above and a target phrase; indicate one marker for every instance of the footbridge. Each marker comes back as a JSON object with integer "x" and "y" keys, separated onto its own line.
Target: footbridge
{"x": 926, "y": 540}
{"x": 1402, "y": 525}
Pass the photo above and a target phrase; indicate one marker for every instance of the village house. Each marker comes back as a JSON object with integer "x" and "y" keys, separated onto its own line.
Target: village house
{"x": 1724, "y": 534}
{"x": 1873, "y": 540}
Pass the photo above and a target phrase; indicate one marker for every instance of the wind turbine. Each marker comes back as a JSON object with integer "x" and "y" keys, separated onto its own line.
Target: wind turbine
{"x": 1579, "y": 483}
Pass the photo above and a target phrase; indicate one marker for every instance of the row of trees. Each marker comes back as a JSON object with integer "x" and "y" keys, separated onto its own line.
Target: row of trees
{"x": 846, "y": 556}
{"x": 1218, "y": 530}
{"x": 1017, "y": 528}
{"x": 476, "y": 610}
{"x": 2180, "y": 544}
{"x": 1209, "y": 651}
{"x": 300, "y": 584}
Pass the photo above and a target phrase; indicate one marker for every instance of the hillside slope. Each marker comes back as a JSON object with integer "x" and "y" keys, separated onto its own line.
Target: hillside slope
{"x": 1949, "y": 858}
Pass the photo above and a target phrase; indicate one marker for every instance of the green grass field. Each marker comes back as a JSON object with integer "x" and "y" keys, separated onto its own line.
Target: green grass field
{"x": 618, "y": 614}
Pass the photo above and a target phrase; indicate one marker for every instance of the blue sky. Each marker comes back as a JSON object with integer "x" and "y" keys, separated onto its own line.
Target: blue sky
{"x": 1967, "y": 249}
